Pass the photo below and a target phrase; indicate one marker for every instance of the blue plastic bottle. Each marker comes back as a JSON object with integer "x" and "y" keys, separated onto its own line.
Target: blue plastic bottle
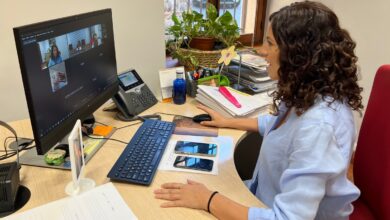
{"x": 179, "y": 89}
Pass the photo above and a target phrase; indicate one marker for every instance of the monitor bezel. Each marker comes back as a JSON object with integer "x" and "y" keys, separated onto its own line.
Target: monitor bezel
{"x": 45, "y": 143}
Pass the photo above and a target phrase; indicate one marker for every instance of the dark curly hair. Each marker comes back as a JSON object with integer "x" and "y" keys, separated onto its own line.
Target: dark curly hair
{"x": 52, "y": 49}
{"x": 316, "y": 57}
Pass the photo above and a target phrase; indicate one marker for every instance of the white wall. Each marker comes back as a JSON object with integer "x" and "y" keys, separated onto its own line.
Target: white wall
{"x": 367, "y": 23}
{"x": 139, "y": 41}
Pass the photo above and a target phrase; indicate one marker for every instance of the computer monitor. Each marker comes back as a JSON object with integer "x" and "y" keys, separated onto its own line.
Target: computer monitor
{"x": 68, "y": 69}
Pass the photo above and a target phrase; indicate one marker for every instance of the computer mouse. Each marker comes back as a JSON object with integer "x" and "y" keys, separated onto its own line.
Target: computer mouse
{"x": 201, "y": 117}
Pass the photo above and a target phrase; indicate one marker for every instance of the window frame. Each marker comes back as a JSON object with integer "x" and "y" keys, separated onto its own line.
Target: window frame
{"x": 261, "y": 9}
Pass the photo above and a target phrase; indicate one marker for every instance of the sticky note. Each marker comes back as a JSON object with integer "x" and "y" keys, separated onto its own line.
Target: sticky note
{"x": 102, "y": 130}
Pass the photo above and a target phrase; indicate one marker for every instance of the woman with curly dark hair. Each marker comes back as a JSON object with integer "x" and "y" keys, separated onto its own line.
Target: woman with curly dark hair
{"x": 302, "y": 166}
{"x": 55, "y": 56}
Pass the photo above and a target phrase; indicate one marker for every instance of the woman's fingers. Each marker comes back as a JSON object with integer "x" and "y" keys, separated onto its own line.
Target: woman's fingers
{"x": 172, "y": 185}
{"x": 204, "y": 108}
{"x": 168, "y": 196}
{"x": 209, "y": 123}
{"x": 166, "y": 191}
{"x": 192, "y": 182}
{"x": 177, "y": 203}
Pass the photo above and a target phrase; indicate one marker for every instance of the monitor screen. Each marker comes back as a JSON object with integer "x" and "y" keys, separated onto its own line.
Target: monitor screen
{"x": 68, "y": 69}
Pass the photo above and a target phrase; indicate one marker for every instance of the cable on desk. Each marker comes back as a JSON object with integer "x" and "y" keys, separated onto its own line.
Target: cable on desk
{"x": 162, "y": 113}
{"x": 109, "y": 139}
{"x": 20, "y": 149}
{"x": 101, "y": 123}
{"x": 7, "y": 155}
{"x": 158, "y": 113}
{"x": 112, "y": 139}
{"x": 13, "y": 152}
{"x": 21, "y": 145}
{"x": 129, "y": 125}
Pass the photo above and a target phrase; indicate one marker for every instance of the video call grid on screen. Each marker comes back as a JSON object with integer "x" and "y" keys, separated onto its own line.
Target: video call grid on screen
{"x": 83, "y": 39}
{"x": 70, "y": 44}
{"x": 38, "y": 44}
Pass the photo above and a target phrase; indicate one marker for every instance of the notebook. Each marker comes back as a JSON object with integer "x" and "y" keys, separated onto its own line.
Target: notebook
{"x": 210, "y": 96}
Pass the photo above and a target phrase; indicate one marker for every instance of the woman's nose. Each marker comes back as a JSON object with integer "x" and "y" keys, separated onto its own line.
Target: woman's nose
{"x": 262, "y": 51}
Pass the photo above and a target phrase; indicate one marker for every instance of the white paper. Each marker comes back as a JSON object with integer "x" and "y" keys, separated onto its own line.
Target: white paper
{"x": 248, "y": 103}
{"x": 251, "y": 60}
{"x": 103, "y": 202}
{"x": 169, "y": 157}
{"x": 166, "y": 81}
{"x": 207, "y": 101}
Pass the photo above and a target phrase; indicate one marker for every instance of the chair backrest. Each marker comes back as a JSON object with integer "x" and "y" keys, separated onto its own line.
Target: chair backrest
{"x": 372, "y": 157}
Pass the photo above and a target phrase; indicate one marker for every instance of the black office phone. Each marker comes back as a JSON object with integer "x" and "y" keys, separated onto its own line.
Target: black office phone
{"x": 134, "y": 96}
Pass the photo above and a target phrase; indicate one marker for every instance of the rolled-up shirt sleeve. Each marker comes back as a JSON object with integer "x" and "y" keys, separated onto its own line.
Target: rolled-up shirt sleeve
{"x": 264, "y": 122}
{"x": 313, "y": 159}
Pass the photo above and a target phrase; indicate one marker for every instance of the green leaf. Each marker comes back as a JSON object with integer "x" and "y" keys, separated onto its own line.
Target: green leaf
{"x": 211, "y": 12}
{"x": 175, "y": 19}
{"x": 197, "y": 16}
{"x": 226, "y": 18}
{"x": 194, "y": 61}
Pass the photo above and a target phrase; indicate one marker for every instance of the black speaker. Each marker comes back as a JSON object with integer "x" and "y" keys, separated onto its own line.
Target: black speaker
{"x": 13, "y": 196}
{"x": 9, "y": 185}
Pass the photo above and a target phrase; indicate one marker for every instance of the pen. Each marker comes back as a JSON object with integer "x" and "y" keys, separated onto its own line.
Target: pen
{"x": 229, "y": 96}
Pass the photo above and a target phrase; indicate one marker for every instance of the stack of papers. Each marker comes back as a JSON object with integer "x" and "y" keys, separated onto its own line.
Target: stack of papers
{"x": 211, "y": 97}
{"x": 251, "y": 60}
{"x": 251, "y": 72}
{"x": 260, "y": 84}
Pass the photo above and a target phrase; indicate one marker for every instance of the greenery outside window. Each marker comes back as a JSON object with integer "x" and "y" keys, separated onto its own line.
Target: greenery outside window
{"x": 249, "y": 14}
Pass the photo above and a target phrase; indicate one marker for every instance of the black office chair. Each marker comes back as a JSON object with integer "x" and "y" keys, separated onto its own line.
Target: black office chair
{"x": 246, "y": 154}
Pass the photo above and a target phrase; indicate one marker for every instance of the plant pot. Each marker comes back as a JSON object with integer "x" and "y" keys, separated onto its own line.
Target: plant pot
{"x": 202, "y": 43}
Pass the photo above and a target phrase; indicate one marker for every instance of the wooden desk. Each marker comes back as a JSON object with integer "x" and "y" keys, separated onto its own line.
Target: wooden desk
{"x": 48, "y": 185}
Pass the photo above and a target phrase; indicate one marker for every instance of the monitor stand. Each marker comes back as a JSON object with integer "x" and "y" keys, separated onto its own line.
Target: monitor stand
{"x": 91, "y": 146}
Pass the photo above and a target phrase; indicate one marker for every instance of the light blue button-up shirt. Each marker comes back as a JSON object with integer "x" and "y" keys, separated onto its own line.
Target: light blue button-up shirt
{"x": 302, "y": 167}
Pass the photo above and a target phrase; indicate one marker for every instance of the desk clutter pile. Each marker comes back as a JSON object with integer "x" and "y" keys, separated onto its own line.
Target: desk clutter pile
{"x": 250, "y": 71}
{"x": 247, "y": 69}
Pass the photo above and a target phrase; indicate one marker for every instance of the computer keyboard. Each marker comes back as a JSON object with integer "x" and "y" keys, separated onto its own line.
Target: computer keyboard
{"x": 139, "y": 160}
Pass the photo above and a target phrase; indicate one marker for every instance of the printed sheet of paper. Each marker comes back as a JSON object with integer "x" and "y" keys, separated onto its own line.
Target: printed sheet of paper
{"x": 101, "y": 203}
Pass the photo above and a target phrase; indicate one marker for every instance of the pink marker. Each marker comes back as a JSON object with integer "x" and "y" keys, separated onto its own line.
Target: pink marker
{"x": 225, "y": 92}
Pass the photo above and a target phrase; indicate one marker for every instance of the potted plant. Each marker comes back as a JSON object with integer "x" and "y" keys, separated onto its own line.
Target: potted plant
{"x": 193, "y": 31}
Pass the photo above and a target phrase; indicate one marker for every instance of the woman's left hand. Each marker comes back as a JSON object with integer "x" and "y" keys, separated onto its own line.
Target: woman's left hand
{"x": 191, "y": 195}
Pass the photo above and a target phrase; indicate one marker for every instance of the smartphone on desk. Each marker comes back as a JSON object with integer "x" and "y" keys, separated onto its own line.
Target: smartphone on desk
{"x": 194, "y": 163}
{"x": 196, "y": 148}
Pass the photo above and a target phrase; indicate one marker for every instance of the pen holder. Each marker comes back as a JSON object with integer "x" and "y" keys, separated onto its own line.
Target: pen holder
{"x": 191, "y": 85}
